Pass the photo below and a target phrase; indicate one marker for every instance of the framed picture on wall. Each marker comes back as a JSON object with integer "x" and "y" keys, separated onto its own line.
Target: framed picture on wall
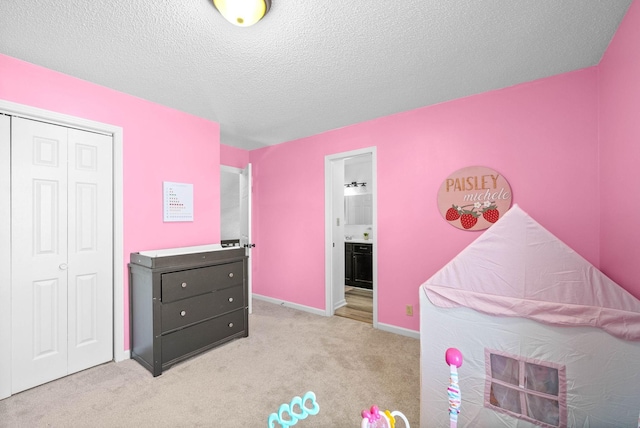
{"x": 177, "y": 201}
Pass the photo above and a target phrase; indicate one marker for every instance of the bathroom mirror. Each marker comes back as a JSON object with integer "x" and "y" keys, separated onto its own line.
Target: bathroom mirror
{"x": 358, "y": 209}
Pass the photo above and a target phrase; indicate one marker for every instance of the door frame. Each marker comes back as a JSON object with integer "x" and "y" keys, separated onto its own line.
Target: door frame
{"x": 329, "y": 239}
{"x": 34, "y": 113}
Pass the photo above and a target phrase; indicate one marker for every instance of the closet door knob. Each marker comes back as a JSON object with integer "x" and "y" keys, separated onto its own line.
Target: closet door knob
{"x": 63, "y": 266}
{"x": 230, "y": 324}
{"x": 183, "y": 313}
{"x": 230, "y": 274}
{"x": 184, "y": 285}
{"x": 230, "y": 299}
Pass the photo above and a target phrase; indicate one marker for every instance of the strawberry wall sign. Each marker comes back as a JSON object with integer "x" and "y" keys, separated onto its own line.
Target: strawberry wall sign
{"x": 474, "y": 198}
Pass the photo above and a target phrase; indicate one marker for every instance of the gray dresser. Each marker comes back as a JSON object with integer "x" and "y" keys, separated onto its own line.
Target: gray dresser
{"x": 185, "y": 301}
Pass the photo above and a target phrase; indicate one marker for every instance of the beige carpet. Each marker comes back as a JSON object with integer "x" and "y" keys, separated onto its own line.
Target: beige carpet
{"x": 348, "y": 364}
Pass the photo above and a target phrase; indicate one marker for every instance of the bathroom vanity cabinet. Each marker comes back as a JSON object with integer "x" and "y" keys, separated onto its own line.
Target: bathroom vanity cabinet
{"x": 358, "y": 265}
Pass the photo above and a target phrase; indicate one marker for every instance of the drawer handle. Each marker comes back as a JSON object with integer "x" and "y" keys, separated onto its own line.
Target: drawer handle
{"x": 230, "y": 299}
{"x": 184, "y": 285}
{"x": 183, "y": 313}
{"x": 230, "y": 274}
{"x": 230, "y": 324}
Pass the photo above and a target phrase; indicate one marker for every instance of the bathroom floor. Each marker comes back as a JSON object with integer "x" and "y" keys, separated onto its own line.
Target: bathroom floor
{"x": 359, "y": 305}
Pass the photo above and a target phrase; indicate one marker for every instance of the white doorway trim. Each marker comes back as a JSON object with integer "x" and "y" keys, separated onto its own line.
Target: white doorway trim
{"x": 28, "y": 112}
{"x": 329, "y": 238}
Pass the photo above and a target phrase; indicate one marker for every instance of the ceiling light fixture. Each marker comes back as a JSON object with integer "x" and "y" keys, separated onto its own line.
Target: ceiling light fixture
{"x": 243, "y": 13}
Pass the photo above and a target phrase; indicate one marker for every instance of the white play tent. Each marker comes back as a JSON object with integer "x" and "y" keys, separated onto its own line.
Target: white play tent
{"x": 547, "y": 339}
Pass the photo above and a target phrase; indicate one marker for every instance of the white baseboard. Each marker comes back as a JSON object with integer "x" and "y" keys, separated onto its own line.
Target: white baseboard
{"x": 121, "y": 356}
{"x": 384, "y": 327}
{"x": 304, "y": 308}
{"x": 399, "y": 330}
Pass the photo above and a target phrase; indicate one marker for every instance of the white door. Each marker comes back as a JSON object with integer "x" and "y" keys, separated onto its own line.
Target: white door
{"x": 61, "y": 251}
{"x": 245, "y": 222}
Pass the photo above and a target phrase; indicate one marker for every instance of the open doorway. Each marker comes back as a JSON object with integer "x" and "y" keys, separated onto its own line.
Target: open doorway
{"x": 235, "y": 214}
{"x": 230, "y": 206}
{"x": 351, "y": 235}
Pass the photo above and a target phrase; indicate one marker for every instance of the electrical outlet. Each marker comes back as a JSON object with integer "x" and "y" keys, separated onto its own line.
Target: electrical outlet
{"x": 409, "y": 310}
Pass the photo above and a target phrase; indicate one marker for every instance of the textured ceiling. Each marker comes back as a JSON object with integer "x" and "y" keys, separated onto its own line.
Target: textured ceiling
{"x": 308, "y": 66}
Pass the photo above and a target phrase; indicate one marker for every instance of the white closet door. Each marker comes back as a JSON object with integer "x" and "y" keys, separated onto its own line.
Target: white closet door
{"x": 38, "y": 253}
{"x": 56, "y": 293}
{"x": 90, "y": 250}
{"x": 5, "y": 256}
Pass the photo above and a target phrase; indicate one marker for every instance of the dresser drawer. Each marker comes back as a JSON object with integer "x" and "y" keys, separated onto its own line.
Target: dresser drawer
{"x": 194, "y": 309}
{"x": 187, "y": 283}
{"x": 206, "y": 334}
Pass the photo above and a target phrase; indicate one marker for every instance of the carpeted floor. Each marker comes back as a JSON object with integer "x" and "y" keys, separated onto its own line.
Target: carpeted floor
{"x": 348, "y": 364}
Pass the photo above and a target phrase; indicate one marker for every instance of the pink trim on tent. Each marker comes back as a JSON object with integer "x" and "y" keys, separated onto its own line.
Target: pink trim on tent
{"x": 517, "y": 268}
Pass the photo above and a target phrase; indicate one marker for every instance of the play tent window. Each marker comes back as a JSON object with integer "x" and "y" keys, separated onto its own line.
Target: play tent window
{"x": 528, "y": 389}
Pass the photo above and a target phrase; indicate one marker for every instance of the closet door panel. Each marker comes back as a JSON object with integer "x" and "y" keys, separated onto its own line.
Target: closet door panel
{"x": 5, "y": 256}
{"x": 38, "y": 253}
{"x": 90, "y": 251}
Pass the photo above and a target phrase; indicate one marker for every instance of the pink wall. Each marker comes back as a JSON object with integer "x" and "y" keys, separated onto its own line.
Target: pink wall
{"x": 619, "y": 100}
{"x": 542, "y": 136}
{"x": 159, "y": 144}
{"x": 232, "y": 156}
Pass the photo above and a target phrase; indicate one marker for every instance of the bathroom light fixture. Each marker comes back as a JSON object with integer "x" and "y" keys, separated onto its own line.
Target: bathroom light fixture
{"x": 355, "y": 184}
{"x": 243, "y": 13}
